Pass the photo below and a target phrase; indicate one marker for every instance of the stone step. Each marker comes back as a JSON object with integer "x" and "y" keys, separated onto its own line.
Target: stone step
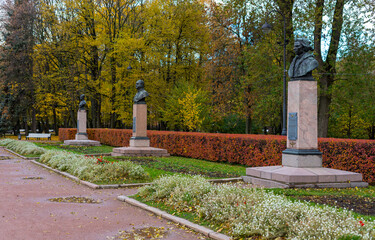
{"x": 140, "y": 151}
{"x": 283, "y": 176}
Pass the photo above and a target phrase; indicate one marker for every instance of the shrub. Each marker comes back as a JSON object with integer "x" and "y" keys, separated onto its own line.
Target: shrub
{"x": 87, "y": 168}
{"x": 251, "y": 150}
{"x": 251, "y": 212}
{"x": 247, "y": 212}
{"x": 181, "y": 191}
{"x": 22, "y": 147}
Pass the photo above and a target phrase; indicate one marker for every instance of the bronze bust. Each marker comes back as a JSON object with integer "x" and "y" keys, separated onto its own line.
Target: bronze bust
{"x": 304, "y": 62}
{"x": 140, "y": 96}
{"x": 82, "y": 103}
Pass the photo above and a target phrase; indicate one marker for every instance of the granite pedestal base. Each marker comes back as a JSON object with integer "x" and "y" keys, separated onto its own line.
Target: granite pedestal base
{"x": 294, "y": 177}
{"x": 140, "y": 152}
{"x": 139, "y": 142}
{"x": 302, "y": 158}
{"x": 86, "y": 142}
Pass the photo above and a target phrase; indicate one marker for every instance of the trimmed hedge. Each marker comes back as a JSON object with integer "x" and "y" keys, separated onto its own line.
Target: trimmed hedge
{"x": 250, "y": 150}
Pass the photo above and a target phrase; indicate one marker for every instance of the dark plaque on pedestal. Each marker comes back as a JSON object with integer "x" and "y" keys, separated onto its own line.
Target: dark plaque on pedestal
{"x": 134, "y": 124}
{"x": 292, "y": 126}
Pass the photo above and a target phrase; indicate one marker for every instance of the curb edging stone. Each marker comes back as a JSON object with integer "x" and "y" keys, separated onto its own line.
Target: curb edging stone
{"x": 205, "y": 231}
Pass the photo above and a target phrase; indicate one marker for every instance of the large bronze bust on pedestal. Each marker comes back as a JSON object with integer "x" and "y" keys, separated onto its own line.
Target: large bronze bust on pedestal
{"x": 304, "y": 62}
{"x": 140, "y": 96}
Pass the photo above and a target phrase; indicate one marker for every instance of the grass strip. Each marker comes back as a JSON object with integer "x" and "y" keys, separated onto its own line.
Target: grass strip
{"x": 175, "y": 164}
{"x": 76, "y": 149}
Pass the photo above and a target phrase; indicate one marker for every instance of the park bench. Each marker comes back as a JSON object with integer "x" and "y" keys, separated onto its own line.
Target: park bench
{"x": 39, "y": 136}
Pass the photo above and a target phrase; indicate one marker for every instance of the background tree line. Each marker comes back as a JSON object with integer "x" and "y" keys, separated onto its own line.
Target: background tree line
{"x": 207, "y": 65}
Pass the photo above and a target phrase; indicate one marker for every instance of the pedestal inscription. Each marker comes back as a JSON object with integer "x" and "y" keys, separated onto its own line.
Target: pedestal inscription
{"x": 292, "y": 126}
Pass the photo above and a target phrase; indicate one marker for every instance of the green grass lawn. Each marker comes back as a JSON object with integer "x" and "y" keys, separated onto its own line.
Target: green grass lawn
{"x": 174, "y": 164}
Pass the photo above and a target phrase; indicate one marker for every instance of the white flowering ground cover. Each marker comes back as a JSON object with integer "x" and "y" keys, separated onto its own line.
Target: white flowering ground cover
{"x": 86, "y": 168}
{"x": 91, "y": 168}
{"x": 22, "y": 147}
{"x": 246, "y": 212}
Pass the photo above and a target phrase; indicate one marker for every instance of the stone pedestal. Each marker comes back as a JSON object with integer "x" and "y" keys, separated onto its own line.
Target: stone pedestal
{"x": 302, "y": 142}
{"x": 139, "y": 142}
{"x": 302, "y": 161}
{"x": 81, "y": 136}
{"x": 81, "y": 125}
{"x": 139, "y": 138}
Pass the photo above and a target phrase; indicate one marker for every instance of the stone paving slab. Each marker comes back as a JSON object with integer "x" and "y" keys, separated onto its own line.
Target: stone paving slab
{"x": 284, "y": 176}
{"x": 82, "y": 142}
{"x": 26, "y": 212}
{"x": 140, "y": 151}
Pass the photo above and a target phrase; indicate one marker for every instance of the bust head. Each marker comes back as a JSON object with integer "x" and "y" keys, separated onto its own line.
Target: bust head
{"x": 82, "y": 103}
{"x": 140, "y": 84}
{"x": 304, "y": 62}
{"x": 302, "y": 45}
{"x": 140, "y": 96}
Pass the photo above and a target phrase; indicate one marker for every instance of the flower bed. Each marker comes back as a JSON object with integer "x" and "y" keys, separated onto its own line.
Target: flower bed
{"x": 246, "y": 212}
{"x": 92, "y": 169}
{"x": 250, "y": 150}
{"x": 88, "y": 168}
{"x": 22, "y": 147}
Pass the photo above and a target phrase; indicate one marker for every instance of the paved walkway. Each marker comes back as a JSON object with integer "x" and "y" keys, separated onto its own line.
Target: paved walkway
{"x": 26, "y": 212}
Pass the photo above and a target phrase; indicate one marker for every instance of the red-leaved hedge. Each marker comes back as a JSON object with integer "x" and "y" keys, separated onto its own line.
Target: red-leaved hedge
{"x": 250, "y": 150}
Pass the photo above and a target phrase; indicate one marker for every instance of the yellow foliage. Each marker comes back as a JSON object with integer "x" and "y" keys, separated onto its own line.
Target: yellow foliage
{"x": 190, "y": 111}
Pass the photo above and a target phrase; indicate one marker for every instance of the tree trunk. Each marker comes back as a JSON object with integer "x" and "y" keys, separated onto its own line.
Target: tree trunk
{"x": 248, "y": 124}
{"x": 371, "y": 132}
{"x": 349, "y": 132}
{"x": 325, "y": 100}
{"x": 33, "y": 119}
{"x": 327, "y": 68}
{"x": 113, "y": 96}
{"x": 93, "y": 112}
{"x": 26, "y": 128}
{"x": 286, "y": 7}
{"x": 73, "y": 118}
{"x": 55, "y": 122}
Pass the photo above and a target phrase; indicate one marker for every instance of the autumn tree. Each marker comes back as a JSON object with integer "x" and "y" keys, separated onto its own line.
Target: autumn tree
{"x": 17, "y": 62}
{"x": 352, "y": 114}
{"x": 117, "y": 17}
{"x": 57, "y": 69}
{"x": 175, "y": 39}
{"x": 329, "y": 19}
